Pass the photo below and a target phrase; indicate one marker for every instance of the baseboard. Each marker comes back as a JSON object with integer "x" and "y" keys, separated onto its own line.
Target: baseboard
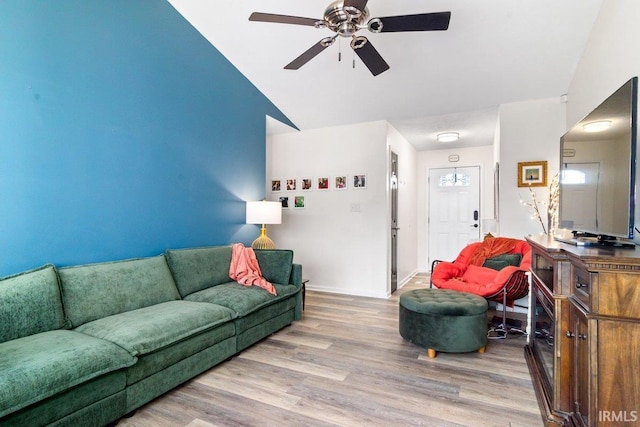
{"x": 352, "y": 292}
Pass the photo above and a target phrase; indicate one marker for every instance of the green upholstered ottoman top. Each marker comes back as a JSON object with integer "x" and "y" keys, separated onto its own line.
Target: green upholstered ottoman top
{"x": 443, "y": 302}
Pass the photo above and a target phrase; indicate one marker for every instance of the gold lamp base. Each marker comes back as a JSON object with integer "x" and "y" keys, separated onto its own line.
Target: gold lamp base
{"x": 263, "y": 241}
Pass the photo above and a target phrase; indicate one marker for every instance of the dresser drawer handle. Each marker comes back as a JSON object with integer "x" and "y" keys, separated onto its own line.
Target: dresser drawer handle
{"x": 581, "y": 285}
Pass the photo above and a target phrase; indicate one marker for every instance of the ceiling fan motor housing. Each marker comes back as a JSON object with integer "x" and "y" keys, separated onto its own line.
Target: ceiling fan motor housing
{"x": 345, "y": 21}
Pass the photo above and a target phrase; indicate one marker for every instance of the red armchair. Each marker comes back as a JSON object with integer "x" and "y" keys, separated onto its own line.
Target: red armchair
{"x": 486, "y": 269}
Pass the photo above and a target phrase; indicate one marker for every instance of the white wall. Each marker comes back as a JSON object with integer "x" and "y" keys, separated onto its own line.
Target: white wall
{"x": 341, "y": 237}
{"x": 354, "y": 245}
{"x": 473, "y": 156}
{"x": 529, "y": 131}
{"x": 611, "y": 57}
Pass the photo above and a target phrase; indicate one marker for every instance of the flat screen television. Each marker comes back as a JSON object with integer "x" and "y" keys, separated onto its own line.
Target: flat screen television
{"x": 598, "y": 173}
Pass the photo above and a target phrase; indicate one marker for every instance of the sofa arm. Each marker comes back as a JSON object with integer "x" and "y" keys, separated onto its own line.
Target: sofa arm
{"x": 296, "y": 280}
{"x": 296, "y": 275}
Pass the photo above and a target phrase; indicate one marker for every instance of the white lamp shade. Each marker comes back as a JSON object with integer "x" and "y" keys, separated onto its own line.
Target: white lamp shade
{"x": 264, "y": 212}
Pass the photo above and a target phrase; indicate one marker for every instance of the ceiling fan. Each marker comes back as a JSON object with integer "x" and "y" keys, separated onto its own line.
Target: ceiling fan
{"x": 346, "y": 18}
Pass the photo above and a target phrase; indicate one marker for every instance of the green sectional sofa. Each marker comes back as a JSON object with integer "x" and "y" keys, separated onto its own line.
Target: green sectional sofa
{"x": 86, "y": 345}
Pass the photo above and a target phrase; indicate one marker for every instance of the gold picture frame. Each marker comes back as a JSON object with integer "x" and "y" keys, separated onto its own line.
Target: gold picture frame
{"x": 532, "y": 174}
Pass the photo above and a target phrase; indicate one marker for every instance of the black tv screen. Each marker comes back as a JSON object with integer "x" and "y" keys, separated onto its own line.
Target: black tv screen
{"x": 598, "y": 169}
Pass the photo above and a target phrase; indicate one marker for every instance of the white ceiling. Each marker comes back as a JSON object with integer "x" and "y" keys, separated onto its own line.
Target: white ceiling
{"x": 495, "y": 52}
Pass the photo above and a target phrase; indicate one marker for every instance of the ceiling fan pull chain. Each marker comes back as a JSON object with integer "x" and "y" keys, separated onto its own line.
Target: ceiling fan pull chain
{"x": 339, "y": 50}
{"x": 354, "y": 60}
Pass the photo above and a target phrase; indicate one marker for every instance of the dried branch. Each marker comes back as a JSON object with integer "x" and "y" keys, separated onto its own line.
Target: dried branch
{"x": 552, "y": 206}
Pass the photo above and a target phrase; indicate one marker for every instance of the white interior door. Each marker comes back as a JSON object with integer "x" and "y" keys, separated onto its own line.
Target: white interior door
{"x": 454, "y": 211}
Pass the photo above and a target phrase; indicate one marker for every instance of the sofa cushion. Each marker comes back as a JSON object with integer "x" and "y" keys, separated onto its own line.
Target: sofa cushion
{"x": 199, "y": 268}
{"x": 481, "y": 275}
{"x": 501, "y": 261}
{"x": 148, "y": 329}
{"x": 222, "y": 336}
{"x": 242, "y": 299}
{"x": 275, "y": 264}
{"x": 30, "y": 303}
{"x": 94, "y": 291}
{"x": 39, "y": 366}
{"x": 69, "y": 408}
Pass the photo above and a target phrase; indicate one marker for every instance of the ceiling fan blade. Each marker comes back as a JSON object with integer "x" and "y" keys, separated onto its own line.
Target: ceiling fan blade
{"x": 358, "y": 4}
{"x": 421, "y": 22}
{"x": 369, "y": 55}
{"x": 283, "y": 19}
{"x": 309, "y": 54}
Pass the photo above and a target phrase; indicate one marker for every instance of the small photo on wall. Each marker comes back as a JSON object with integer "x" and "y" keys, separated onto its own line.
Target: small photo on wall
{"x": 276, "y": 185}
{"x": 360, "y": 181}
{"x": 291, "y": 184}
{"x": 306, "y": 184}
{"x": 298, "y": 202}
{"x": 323, "y": 183}
{"x": 285, "y": 202}
{"x": 340, "y": 182}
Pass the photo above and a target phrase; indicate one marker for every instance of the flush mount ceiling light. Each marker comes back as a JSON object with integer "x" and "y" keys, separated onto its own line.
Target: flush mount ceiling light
{"x": 598, "y": 126}
{"x": 448, "y": 137}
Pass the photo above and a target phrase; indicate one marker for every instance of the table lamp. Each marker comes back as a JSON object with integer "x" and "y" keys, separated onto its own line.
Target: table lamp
{"x": 264, "y": 213}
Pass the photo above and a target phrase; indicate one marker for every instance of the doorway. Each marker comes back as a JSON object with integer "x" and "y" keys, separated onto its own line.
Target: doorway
{"x": 454, "y": 211}
{"x": 394, "y": 221}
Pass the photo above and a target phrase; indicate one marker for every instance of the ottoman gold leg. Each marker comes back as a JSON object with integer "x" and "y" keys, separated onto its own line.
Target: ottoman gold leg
{"x": 431, "y": 353}
{"x": 482, "y": 349}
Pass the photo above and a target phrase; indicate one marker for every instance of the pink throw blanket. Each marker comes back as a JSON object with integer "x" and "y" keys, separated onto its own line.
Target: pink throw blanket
{"x": 245, "y": 269}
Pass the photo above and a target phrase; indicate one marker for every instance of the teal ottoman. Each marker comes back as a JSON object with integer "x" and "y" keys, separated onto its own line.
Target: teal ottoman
{"x": 444, "y": 320}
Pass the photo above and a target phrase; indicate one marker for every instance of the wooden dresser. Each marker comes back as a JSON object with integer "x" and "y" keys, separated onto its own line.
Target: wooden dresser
{"x": 583, "y": 349}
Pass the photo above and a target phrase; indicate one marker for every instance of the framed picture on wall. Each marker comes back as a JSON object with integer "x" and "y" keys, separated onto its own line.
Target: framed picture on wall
{"x": 360, "y": 181}
{"x": 340, "y": 182}
{"x": 323, "y": 183}
{"x": 298, "y": 202}
{"x": 276, "y": 185}
{"x": 532, "y": 174}
{"x": 291, "y": 184}
{"x": 306, "y": 184}
{"x": 284, "y": 201}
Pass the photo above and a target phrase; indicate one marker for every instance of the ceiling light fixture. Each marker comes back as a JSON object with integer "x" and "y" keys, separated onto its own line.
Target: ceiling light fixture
{"x": 448, "y": 136}
{"x": 598, "y": 126}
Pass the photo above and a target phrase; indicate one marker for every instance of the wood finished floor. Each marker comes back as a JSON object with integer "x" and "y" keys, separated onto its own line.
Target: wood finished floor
{"x": 344, "y": 364}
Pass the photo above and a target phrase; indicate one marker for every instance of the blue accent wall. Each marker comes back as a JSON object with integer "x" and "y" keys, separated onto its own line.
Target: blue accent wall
{"x": 123, "y": 132}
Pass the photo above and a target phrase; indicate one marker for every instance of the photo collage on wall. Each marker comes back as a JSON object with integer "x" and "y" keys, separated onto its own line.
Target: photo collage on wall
{"x": 291, "y": 186}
